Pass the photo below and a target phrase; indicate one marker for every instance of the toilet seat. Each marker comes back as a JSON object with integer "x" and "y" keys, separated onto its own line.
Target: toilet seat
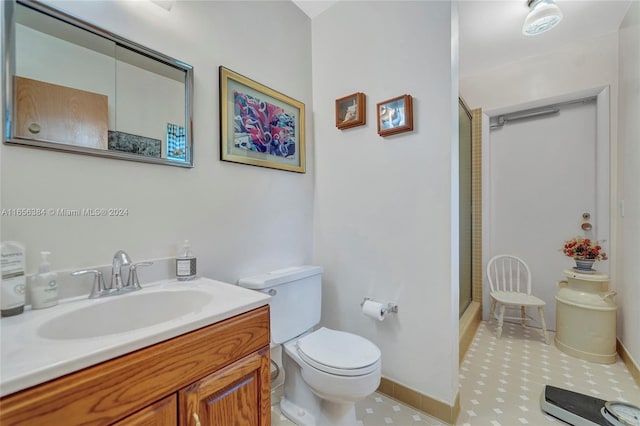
{"x": 338, "y": 352}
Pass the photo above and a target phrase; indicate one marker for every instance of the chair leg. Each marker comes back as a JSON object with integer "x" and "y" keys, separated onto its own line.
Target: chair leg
{"x": 545, "y": 335}
{"x": 492, "y": 310}
{"x": 523, "y": 315}
{"x": 500, "y": 321}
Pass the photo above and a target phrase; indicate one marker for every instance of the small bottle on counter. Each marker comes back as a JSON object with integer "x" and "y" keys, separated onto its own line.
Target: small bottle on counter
{"x": 13, "y": 279}
{"x": 186, "y": 263}
{"x": 43, "y": 288}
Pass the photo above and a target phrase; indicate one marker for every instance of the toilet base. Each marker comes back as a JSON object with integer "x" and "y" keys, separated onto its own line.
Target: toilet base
{"x": 303, "y": 407}
{"x": 296, "y": 414}
{"x": 331, "y": 414}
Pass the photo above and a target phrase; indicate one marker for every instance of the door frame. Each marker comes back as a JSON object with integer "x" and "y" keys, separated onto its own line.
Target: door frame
{"x": 604, "y": 194}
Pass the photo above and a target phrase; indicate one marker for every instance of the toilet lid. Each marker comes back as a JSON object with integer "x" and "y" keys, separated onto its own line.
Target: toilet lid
{"x": 338, "y": 352}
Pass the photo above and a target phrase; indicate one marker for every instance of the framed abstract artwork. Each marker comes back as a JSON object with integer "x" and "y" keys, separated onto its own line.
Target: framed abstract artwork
{"x": 395, "y": 115}
{"x": 260, "y": 126}
{"x": 351, "y": 111}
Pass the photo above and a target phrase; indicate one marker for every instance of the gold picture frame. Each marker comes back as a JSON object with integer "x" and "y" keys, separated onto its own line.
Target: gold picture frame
{"x": 260, "y": 126}
{"x": 351, "y": 111}
{"x": 395, "y": 115}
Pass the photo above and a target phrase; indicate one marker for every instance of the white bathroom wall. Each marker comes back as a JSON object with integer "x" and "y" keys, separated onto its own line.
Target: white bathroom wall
{"x": 628, "y": 285}
{"x": 383, "y": 214}
{"x": 81, "y": 68}
{"x": 146, "y": 102}
{"x": 567, "y": 69}
{"x": 240, "y": 219}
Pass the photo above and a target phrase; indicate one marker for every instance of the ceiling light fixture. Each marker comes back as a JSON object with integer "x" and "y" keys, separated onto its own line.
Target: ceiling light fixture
{"x": 544, "y": 15}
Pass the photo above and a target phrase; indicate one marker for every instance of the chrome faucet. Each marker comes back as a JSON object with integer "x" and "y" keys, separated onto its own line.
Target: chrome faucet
{"x": 98, "y": 289}
{"x": 133, "y": 283}
{"x": 120, "y": 259}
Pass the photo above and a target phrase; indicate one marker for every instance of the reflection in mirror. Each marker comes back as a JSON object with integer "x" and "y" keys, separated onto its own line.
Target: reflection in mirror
{"x": 149, "y": 95}
{"x": 64, "y": 82}
{"x": 74, "y": 87}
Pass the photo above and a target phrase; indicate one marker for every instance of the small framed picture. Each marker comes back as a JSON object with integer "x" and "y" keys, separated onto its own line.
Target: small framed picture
{"x": 351, "y": 111}
{"x": 395, "y": 115}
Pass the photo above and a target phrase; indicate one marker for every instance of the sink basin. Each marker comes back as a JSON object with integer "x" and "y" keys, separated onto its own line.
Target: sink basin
{"x": 119, "y": 314}
{"x": 43, "y": 344}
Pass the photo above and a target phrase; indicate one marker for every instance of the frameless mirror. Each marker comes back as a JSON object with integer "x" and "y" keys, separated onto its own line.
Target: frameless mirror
{"x": 74, "y": 87}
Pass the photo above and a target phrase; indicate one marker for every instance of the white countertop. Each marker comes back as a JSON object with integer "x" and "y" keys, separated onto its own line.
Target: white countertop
{"x": 27, "y": 359}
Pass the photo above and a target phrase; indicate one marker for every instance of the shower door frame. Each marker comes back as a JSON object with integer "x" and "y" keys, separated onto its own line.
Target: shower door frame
{"x": 470, "y": 319}
{"x": 465, "y": 220}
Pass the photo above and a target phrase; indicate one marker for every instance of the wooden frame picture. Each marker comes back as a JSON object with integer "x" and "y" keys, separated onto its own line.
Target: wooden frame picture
{"x": 351, "y": 111}
{"x": 395, "y": 115}
{"x": 260, "y": 126}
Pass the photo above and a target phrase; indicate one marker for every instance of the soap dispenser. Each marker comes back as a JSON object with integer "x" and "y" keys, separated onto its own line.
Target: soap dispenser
{"x": 44, "y": 288}
{"x": 186, "y": 263}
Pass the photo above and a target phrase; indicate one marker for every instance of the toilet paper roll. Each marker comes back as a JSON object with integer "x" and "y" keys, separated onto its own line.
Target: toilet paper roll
{"x": 373, "y": 309}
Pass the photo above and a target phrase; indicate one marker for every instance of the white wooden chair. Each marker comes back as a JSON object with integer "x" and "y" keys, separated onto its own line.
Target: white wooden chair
{"x": 510, "y": 282}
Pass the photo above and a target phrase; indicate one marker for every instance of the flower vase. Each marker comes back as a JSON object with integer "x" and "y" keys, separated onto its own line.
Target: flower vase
{"x": 584, "y": 264}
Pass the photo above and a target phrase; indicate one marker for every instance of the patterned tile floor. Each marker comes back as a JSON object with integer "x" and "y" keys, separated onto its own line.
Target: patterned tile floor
{"x": 375, "y": 410}
{"x": 501, "y": 382}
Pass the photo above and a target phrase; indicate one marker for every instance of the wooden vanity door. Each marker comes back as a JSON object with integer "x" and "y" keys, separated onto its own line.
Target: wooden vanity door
{"x": 53, "y": 113}
{"x": 162, "y": 413}
{"x": 239, "y": 394}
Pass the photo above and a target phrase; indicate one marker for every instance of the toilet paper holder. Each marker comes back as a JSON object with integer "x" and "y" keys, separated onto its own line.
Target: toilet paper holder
{"x": 391, "y": 307}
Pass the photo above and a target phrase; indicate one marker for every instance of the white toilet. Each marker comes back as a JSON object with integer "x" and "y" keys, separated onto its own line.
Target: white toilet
{"x": 326, "y": 371}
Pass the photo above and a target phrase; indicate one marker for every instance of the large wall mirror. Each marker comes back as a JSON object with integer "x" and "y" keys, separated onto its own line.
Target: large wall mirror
{"x": 71, "y": 86}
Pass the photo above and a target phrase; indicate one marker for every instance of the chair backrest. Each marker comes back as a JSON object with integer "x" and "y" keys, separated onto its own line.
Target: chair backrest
{"x": 509, "y": 273}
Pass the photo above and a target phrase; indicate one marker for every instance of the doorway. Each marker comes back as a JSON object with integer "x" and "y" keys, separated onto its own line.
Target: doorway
{"x": 547, "y": 170}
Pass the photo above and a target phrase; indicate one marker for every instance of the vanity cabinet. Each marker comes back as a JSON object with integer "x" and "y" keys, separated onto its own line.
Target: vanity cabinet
{"x": 229, "y": 396}
{"x": 162, "y": 413}
{"x": 216, "y": 375}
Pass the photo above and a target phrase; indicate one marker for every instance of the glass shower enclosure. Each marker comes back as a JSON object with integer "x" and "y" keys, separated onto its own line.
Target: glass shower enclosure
{"x": 465, "y": 194}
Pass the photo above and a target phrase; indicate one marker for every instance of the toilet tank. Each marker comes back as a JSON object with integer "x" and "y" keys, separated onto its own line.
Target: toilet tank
{"x": 296, "y": 299}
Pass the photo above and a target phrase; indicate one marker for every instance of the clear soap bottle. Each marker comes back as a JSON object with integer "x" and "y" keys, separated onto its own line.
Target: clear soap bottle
{"x": 43, "y": 287}
{"x": 186, "y": 263}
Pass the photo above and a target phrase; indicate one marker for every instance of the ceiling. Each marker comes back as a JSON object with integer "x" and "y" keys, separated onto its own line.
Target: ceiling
{"x": 491, "y": 31}
{"x": 314, "y": 8}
